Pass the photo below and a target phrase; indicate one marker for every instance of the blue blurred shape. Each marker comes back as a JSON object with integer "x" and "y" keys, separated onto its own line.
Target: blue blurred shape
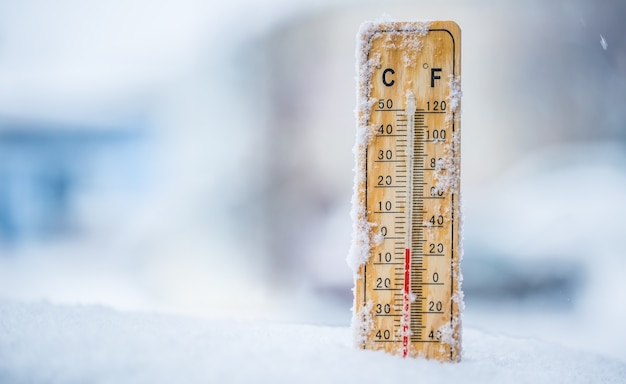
{"x": 45, "y": 166}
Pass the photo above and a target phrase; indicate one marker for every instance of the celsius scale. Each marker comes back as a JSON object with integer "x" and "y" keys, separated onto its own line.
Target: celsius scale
{"x": 407, "y": 296}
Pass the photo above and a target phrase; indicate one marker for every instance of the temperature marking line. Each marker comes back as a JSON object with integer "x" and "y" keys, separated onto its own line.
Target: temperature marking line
{"x": 424, "y": 341}
{"x": 427, "y": 313}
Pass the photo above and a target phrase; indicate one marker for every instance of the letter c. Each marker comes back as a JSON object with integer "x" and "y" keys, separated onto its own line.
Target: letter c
{"x": 388, "y": 83}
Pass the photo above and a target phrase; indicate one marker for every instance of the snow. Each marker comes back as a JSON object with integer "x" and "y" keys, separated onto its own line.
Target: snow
{"x": 603, "y": 42}
{"x": 41, "y": 342}
{"x": 362, "y": 323}
{"x": 359, "y": 251}
{"x": 454, "y": 98}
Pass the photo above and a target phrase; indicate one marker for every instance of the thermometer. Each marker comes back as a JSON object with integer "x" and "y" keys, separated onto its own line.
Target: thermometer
{"x": 406, "y": 250}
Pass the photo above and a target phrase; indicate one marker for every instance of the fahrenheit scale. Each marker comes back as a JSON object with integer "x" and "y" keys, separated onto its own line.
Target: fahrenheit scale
{"x": 407, "y": 290}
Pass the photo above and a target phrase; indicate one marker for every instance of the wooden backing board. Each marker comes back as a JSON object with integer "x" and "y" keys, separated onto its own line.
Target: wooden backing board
{"x": 407, "y": 294}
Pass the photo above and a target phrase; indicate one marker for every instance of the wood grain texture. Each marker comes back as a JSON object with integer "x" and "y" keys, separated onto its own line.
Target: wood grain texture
{"x": 410, "y": 302}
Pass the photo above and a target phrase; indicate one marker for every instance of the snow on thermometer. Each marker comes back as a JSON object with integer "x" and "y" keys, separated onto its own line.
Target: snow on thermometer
{"x": 406, "y": 248}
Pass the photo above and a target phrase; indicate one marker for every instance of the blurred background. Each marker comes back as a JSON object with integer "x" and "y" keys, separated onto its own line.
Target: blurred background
{"x": 194, "y": 157}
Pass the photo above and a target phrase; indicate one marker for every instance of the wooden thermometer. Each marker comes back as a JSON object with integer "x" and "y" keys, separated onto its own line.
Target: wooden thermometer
{"x": 406, "y": 252}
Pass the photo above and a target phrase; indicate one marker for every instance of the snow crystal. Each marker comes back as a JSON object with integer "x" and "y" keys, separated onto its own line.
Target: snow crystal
{"x": 454, "y": 98}
{"x": 603, "y": 42}
{"x": 378, "y": 239}
{"x": 365, "y": 65}
{"x": 362, "y": 323}
{"x": 447, "y": 170}
{"x": 458, "y": 296}
{"x": 450, "y": 334}
{"x": 360, "y": 247}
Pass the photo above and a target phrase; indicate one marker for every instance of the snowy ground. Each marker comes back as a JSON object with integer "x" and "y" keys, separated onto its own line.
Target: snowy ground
{"x": 41, "y": 342}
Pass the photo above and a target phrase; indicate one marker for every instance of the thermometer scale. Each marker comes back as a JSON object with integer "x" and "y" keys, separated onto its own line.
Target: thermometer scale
{"x": 407, "y": 217}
